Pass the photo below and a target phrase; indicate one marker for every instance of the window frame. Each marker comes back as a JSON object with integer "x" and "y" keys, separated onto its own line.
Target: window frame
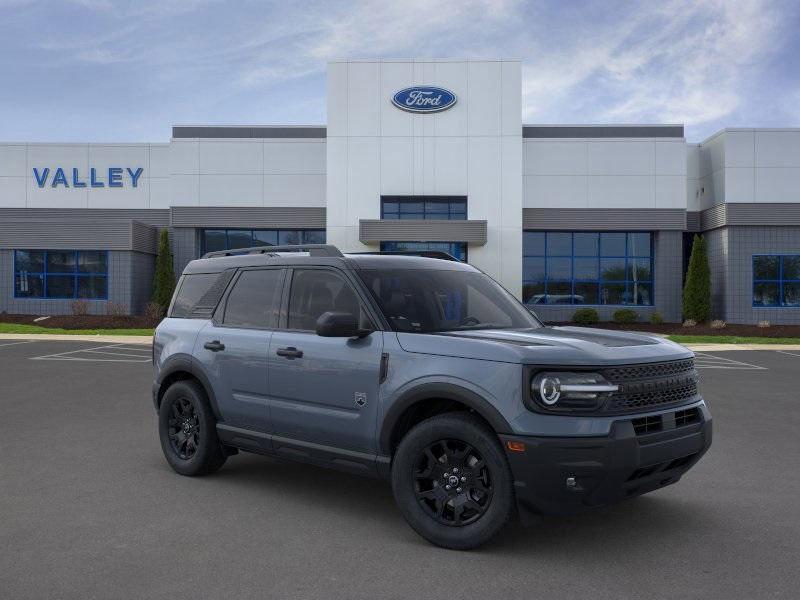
{"x": 253, "y": 242}
{"x": 365, "y": 300}
{"x": 75, "y": 274}
{"x": 449, "y": 215}
{"x": 780, "y": 281}
{"x": 627, "y": 259}
{"x": 464, "y": 244}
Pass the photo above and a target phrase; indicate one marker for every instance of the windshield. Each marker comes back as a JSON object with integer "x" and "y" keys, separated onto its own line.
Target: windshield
{"x": 432, "y": 301}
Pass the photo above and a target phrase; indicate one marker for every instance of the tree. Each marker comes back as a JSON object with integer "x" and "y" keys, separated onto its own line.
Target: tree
{"x": 697, "y": 289}
{"x": 164, "y": 279}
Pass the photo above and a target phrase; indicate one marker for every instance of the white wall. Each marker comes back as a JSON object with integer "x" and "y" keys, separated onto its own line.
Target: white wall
{"x": 19, "y": 189}
{"x": 604, "y": 173}
{"x": 472, "y": 149}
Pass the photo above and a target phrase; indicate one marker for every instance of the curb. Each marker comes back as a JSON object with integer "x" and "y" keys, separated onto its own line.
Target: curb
{"x": 107, "y": 339}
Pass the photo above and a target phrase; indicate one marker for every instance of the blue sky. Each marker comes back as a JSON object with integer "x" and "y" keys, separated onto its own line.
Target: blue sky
{"x": 104, "y": 70}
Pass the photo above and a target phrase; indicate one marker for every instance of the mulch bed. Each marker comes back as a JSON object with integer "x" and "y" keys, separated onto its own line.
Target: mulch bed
{"x": 82, "y": 321}
{"x": 774, "y": 331}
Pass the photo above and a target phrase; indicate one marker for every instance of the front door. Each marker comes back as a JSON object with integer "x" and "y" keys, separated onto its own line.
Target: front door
{"x": 233, "y": 348}
{"x": 324, "y": 390}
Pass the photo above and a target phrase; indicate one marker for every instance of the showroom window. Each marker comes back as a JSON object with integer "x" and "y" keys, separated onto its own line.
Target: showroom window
{"x": 448, "y": 208}
{"x": 457, "y": 249}
{"x": 61, "y": 274}
{"x": 230, "y": 239}
{"x": 776, "y": 280}
{"x": 605, "y": 268}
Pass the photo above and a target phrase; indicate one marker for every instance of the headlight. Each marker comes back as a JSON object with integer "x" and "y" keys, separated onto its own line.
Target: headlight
{"x": 570, "y": 390}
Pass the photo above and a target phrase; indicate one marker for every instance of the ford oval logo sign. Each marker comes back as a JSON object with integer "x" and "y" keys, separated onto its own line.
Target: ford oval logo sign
{"x": 424, "y": 99}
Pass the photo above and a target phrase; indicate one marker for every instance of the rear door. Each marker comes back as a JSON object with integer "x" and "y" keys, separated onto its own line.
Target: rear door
{"x": 324, "y": 390}
{"x": 233, "y": 347}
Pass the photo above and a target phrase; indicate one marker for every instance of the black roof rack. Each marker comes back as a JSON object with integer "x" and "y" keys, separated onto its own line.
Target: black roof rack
{"x": 312, "y": 249}
{"x": 440, "y": 254}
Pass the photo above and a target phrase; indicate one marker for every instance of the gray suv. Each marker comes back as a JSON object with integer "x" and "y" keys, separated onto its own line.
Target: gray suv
{"x": 424, "y": 371}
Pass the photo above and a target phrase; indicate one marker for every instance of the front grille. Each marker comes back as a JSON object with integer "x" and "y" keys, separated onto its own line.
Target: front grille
{"x": 651, "y": 385}
{"x": 649, "y": 424}
{"x": 687, "y": 417}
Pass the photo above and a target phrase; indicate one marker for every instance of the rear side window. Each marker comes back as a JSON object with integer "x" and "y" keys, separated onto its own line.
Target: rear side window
{"x": 199, "y": 294}
{"x": 254, "y": 300}
{"x": 316, "y": 291}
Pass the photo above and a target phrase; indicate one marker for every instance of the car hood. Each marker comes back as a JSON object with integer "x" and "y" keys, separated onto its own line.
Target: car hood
{"x": 546, "y": 346}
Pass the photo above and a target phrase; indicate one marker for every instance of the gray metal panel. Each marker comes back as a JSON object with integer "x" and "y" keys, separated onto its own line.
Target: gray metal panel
{"x": 419, "y": 230}
{"x": 607, "y": 219}
{"x": 144, "y": 238}
{"x": 693, "y": 221}
{"x": 66, "y": 234}
{"x": 764, "y": 213}
{"x": 713, "y": 217}
{"x": 313, "y": 132}
{"x": 602, "y": 131}
{"x": 266, "y": 217}
{"x": 151, "y": 216}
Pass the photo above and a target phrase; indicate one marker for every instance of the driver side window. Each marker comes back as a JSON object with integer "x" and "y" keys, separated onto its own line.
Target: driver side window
{"x": 317, "y": 291}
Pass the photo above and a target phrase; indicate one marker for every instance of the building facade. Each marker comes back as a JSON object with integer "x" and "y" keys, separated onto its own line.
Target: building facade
{"x": 418, "y": 154}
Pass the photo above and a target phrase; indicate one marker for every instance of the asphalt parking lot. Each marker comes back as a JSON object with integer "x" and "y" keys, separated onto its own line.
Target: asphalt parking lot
{"x": 89, "y": 508}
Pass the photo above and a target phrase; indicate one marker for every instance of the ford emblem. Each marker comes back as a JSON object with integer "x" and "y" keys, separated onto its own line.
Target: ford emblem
{"x": 424, "y": 99}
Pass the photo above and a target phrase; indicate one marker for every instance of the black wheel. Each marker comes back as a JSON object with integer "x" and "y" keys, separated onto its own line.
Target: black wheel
{"x": 452, "y": 482}
{"x": 187, "y": 429}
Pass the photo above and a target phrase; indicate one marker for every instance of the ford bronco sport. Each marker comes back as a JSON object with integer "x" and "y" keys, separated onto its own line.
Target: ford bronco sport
{"x": 424, "y": 371}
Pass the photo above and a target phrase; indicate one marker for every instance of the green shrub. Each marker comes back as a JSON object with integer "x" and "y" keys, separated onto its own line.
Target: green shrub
{"x": 697, "y": 289}
{"x": 585, "y": 316}
{"x": 656, "y": 318}
{"x": 625, "y": 315}
{"x": 164, "y": 279}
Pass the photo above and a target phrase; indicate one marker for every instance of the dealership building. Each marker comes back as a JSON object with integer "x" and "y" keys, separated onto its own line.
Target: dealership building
{"x": 418, "y": 154}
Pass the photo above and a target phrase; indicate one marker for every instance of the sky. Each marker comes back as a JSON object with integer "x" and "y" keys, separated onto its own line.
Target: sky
{"x": 126, "y": 71}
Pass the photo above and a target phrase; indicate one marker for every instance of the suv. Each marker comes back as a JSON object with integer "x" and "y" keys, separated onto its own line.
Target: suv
{"x": 424, "y": 371}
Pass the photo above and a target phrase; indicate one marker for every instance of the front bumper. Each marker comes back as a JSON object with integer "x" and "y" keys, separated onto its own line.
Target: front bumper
{"x": 606, "y": 469}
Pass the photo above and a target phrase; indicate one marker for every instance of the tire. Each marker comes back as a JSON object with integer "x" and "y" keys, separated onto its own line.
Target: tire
{"x": 188, "y": 432}
{"x": 480, "y": 500}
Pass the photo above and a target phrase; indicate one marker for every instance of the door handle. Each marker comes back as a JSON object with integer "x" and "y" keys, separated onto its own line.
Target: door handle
{"x": 290, "y": 352}
{"x": 214, "y": 346}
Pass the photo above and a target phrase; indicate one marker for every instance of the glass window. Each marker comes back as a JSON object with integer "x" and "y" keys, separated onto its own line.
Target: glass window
{"x": 213, "y": 240}
{"x": 317, "y": 291}
{"x": 436, "y": 300}
{"x": 191, "y": 289}
{"x": 776, "y": 280}
{"x": 456, "y": 249}
{"x": 61, "y": 274}
{"x": 424, "y": 207}
{"x": 586, "y": 267}
{"x": 253, "y": 301}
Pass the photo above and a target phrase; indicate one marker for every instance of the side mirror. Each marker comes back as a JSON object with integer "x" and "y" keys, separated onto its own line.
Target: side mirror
{"x": 339, "y": 324}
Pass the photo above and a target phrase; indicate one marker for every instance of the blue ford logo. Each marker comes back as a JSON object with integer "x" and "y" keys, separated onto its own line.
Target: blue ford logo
{"x": 424, "y": 99}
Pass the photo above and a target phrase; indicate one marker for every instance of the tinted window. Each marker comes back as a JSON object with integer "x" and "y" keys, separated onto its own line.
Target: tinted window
{"x": 427, "y": 301}
{"x": 253, "y": 301}
{"x": 192, "y": 289}
{"x": 316, "y": 291}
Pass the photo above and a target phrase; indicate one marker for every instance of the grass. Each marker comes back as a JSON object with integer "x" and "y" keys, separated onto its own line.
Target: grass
{"x": 34, "y": 329}
{"x": 731, "y": 339}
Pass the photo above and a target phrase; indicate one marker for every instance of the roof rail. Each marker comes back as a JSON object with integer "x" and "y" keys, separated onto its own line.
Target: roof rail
{"x": 312, "y": 249}
{"x": 440, "y": 254}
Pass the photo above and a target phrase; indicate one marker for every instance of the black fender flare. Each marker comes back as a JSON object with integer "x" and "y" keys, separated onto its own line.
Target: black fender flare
{"x": 181, "y": 362}
{"x": 445, "y": 391}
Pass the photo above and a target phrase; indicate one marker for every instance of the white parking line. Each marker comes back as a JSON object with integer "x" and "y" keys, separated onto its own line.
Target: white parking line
{"x": 17, "y": 343}
{"x": 709, "y": 361}
{"x": 788, "y": 353}
{"x": 107, "y": 349}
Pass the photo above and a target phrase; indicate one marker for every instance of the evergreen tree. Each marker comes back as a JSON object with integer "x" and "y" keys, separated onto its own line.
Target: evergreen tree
{"x": 697, "y": 289}
{"x": 164, "y": 279}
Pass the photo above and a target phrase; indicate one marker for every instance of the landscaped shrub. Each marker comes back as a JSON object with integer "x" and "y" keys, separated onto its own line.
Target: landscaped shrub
{"x": 154, "y": 313}
{"x": 717, "y": 324}
{"x": 116, "y": 309}
{"x": 585, "y": 316}
{"x": 625, "y": 315}
{"x": 764, "y": 324}
{"x": 689, "y": 323}
{"x": 79, "y": 308}
{"x": 164, "y": 279}
{"x": 656, "y": 318}
{"x": 697, "y": 290}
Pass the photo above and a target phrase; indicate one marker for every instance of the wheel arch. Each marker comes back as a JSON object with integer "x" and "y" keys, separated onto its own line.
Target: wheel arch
{"x": 180, "y": 368}
{"x": 438, "y": 398}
